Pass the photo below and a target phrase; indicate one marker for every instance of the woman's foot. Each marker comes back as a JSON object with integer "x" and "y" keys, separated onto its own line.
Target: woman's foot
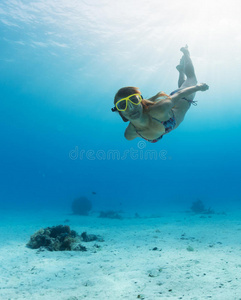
{"x": 185, "y": 50}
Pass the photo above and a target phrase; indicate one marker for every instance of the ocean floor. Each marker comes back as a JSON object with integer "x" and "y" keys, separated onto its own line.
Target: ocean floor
{"x": 176, "y": 255}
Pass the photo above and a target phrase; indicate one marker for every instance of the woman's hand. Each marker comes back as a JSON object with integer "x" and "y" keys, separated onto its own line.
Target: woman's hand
{"x": 202, "y": 87}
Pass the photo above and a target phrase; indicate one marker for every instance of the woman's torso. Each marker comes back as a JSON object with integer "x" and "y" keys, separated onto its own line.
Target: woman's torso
{"x": 156, "y": 126}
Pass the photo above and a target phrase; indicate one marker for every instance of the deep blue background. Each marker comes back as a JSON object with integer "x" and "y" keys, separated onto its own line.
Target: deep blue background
{"x": 56, "y": 97}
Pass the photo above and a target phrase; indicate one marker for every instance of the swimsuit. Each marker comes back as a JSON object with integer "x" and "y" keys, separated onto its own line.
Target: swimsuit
{"x": 169, "y": 126}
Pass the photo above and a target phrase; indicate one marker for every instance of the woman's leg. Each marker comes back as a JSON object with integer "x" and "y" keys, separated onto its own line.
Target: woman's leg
{"x": 187, "y": 69}
{"x": 180, "y": 69}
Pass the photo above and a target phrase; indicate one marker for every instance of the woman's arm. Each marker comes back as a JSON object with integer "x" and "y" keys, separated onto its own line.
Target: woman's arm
{"x": 130, "y": 132}
{"x": 187, "y": 92}
{"x": 164, "y": 106}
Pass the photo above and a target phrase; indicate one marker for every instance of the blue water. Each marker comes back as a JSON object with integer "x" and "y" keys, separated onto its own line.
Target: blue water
{"x": 61, "y": 65}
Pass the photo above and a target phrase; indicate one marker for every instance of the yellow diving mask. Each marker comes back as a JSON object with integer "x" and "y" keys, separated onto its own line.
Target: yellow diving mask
{"x": 121, "y": 105}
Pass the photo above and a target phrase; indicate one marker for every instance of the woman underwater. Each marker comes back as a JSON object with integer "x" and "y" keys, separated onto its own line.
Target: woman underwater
{"x": 151, "y": 119}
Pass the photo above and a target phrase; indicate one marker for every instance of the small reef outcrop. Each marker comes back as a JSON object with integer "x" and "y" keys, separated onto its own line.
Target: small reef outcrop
{"x": 61, "y": 238}
{"x": 110, "y": 214}
{"x": 81, "y": 206}
{"x": 198, "y": 207}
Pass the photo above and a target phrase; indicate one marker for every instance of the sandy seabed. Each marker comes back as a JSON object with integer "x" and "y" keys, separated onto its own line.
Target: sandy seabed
{"x": 174, "y": 256}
